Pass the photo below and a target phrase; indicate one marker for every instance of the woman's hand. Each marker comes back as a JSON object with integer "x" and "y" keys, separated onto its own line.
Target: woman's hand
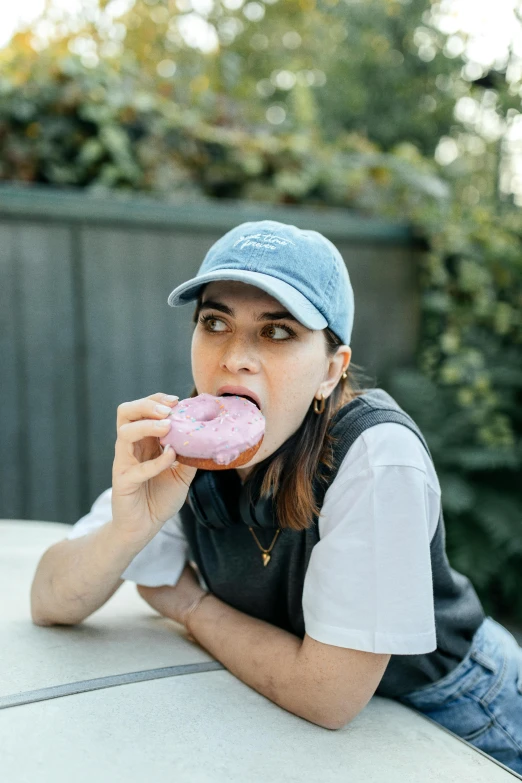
{"x": 147, "y": 488}
{"x": 174, "y": 602}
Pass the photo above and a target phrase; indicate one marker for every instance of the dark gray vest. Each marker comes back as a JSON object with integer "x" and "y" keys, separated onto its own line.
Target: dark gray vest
{"x": 231, "y": 564}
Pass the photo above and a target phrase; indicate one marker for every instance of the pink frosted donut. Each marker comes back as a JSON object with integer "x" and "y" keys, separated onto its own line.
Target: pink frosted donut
{"x": 215, "y": 433}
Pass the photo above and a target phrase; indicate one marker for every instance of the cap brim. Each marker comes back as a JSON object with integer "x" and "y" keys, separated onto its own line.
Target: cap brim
{"x": 293, "y": 300}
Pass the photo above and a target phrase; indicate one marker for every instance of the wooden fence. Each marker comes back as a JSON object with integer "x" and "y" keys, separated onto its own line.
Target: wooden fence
{"x": 85, "y": 324}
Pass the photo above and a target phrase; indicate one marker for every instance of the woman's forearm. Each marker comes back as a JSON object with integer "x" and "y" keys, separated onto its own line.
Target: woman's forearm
{"x": 261, "y": 655}
{"x": 76, "y": 576}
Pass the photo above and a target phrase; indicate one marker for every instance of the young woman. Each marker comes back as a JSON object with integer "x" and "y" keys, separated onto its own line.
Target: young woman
{"x": 321, "y": 574}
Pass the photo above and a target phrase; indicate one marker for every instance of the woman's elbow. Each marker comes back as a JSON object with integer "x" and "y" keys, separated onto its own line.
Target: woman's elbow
{"x": 333, "y": 724}
{"x": 44, "y": 622}
{"x": 331, "y": 719}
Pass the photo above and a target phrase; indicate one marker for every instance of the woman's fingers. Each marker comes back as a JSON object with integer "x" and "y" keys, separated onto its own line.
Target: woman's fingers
{"x": 134, "y": 424}
{"x": 143, "y": 471}
{"x": 135, "y": 431}
{"x": 144, "y": 409}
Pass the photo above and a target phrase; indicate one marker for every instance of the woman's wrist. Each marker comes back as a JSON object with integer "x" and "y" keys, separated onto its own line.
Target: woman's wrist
{"x": 191, "y": 610}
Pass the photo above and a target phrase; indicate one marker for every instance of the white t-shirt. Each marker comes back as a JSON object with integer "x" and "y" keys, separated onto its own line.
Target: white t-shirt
{"x": 369, "y": 583}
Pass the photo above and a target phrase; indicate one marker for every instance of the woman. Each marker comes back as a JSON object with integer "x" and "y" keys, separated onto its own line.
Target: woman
{"x": 322, "y": 576}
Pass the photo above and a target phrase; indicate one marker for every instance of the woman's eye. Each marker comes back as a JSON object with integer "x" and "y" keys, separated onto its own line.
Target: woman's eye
{"x": 273, "y": 328}
{"x": 207, "y": 321}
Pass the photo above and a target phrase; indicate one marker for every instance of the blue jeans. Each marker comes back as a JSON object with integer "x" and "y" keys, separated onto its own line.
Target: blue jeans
{"x": 481, "y": 699}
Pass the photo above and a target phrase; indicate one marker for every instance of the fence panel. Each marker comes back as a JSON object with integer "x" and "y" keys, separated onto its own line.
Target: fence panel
{"x": 39, "y": 415}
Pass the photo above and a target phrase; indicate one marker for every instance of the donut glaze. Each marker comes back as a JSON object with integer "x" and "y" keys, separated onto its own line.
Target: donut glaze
{"x": 212, "y": 428}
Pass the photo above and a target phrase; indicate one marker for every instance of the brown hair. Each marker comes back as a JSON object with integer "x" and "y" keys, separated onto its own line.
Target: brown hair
{"x": 292, "y": 471}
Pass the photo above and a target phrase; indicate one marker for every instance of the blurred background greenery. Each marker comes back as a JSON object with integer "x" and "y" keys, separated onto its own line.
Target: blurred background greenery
{"x": 371, "y": 105}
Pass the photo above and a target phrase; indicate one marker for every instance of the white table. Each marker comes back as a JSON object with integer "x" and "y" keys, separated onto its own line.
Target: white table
{"x": 74, "y": 707}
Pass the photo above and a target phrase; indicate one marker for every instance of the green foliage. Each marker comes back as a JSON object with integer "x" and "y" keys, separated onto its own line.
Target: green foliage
{"x": 204, "y": 132}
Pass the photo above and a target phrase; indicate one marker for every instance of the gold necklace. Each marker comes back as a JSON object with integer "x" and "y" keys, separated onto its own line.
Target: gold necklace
{"x": 265, "y": 552}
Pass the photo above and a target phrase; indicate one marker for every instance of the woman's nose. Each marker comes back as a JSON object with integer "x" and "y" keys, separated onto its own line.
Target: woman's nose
{"x": 239, "y": 355}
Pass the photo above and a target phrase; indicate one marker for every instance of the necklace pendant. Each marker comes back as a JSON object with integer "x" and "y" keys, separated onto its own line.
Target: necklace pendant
{"x": 266, "y": 558}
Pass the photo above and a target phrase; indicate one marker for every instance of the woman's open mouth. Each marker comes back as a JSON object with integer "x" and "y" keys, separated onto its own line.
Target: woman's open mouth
{"x": 245, "y": 396}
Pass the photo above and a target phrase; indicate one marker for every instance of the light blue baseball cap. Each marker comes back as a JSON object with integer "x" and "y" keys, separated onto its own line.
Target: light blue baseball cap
{"x": 300, "y": 268}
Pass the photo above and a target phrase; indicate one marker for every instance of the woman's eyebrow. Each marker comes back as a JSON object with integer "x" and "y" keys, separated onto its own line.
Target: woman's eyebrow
{"x": 210, "y": 304}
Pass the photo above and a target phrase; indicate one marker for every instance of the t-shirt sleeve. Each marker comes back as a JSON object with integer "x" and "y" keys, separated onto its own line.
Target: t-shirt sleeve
{"x": 369, "y": 583}
{"x": 160, "y": 562}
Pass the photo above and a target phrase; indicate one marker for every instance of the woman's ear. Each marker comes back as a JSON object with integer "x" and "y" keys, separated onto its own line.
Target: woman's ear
{"x": 346, "y": 357}
{"x": 338, "y": 364}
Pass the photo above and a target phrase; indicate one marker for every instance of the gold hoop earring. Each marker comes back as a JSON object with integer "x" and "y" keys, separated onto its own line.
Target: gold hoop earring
{"x": 323, "y": 403}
